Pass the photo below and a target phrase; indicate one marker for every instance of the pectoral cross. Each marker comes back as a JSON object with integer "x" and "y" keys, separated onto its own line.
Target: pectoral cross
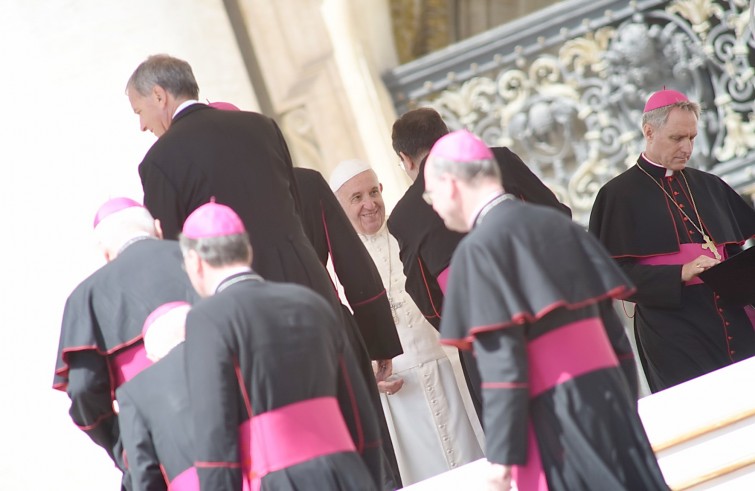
{"x": 711, "y": 247}
{"x": 394, "y": 308}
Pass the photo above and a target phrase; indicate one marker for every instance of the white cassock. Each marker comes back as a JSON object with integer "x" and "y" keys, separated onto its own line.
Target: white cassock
{"x": 432, "y": 420}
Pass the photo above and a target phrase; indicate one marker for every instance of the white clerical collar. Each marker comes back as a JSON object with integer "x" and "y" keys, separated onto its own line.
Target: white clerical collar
{"x": 483, "y": 203}
{"x": 669, "y": 172}
{"x": 184, "y": 105}
{"x": 230, "y": 272}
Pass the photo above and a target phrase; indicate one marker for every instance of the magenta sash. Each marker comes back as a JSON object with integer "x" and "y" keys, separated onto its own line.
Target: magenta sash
{"x": 554, "y": 358}
{"x": 568, "y": 352}
{"x": 687, "y": 253}
{"x": 291, "y": 435}
{"x": 188, "y": 480}
{"x": 443, "y": 279}
{"x": 127, "y": 363}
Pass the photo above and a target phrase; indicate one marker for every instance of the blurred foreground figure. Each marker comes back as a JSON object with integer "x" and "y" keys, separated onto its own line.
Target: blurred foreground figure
{"x": 530, "y": 292}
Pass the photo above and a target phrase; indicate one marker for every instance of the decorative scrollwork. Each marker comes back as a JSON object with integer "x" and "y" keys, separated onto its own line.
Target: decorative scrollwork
{"x": 572, "y": 111}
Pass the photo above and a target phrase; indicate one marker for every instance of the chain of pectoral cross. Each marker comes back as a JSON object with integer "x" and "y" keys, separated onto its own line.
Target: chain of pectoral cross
{"x": 708, "y": 242}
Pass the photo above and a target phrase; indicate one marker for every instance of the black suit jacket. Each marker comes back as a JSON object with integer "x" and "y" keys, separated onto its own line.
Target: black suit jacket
{"x": 242, "y": 160}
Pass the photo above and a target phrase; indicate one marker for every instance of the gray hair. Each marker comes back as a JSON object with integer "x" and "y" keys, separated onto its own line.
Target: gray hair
{"x": 658, "y": 117}
{"x": 226, "y": 250}
{"x": 469, "y": 172}
{"x": 118, "y": 228}
{"x": 172, "y": 74}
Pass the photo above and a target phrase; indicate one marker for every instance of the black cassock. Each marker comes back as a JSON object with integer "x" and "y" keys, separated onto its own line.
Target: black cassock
{"x": 276, "y": 392}
{"x": 101, "y": 333}
{"x": 530, "y": 291}
{"x": 156, "y": 426}
{"x": 242, "y": 160}
{"x": 426, "y": 245}
{"x": 333, "y": 235}
{"x": 682, "y": 332}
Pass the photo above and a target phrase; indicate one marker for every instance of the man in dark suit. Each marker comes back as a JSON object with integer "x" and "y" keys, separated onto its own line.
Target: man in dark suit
{"x": 155, "y": 414}
{"x": 238, "y": 157}
{"x": 101, "y": 333}
{"x": 425, "y": 244}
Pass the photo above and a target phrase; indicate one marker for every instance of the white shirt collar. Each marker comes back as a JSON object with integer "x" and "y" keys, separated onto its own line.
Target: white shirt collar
{"x": 184, "y": 105}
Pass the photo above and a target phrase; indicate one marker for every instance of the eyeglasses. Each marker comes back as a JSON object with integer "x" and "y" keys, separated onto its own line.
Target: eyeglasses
{"x": 428, "y": 197}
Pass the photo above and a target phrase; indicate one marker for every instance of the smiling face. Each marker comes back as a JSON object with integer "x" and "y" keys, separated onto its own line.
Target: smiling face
{"x": 362, "y": 200}
{"x": 152, "y": 110}
{"x": 671, "y": 145}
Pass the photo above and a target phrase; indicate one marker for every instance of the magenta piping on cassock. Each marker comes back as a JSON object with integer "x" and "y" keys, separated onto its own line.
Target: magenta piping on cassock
{"x": 687, "y": 253}
{"x": 291, "y": 435}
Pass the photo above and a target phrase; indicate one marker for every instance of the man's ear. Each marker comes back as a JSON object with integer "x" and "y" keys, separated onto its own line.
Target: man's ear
{"x": 160, "y": 95}
{"x": 380, "y": 187}
{"x": 648, "y": 131}
{"x": 409, "y": 163}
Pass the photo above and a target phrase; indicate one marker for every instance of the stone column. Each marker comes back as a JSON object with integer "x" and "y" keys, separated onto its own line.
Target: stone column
{"x": 319, "y": 61}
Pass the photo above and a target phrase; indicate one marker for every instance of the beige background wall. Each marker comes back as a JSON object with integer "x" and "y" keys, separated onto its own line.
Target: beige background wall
{"x": 68, "y": 141}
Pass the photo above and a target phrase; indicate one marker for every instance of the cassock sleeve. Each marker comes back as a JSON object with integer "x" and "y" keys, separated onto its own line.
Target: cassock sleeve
{"x": 617, "y": 335}
{"x": 423, "y": 288}
{"x": 162, "y": 200}
{"x": 502, "y": 362}
{"x": 214, "y": 396}
{"x": 476, "y": 299}
{"x": 359, "y": 413}
{"x": 91, "y": 401}
{"x": 143, "y": 463}
{"x": 657, "y": 286}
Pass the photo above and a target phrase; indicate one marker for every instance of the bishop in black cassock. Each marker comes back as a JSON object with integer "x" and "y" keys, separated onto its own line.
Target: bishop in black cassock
{"x": 101, "y": 333}
{"x": 154, "y": 409}
{"x": 530, "y": 292}
{"x": 665, "y": 223}
{"x": 276, "y": 394}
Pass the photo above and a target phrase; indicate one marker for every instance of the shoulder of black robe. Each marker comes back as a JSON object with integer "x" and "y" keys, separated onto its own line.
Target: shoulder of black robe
{"x": 238, "y": 157}
{"x": 520, "y": 181}
{"x": 522, "y": 262}
{"x": 425, "y": 248}
{"x": 106, "y": 312}
{"x": 631, "y": 216}
{"x": 330, "y": 231}
{"x": 246, "y": 343}
{"x": 154, "y": 421}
